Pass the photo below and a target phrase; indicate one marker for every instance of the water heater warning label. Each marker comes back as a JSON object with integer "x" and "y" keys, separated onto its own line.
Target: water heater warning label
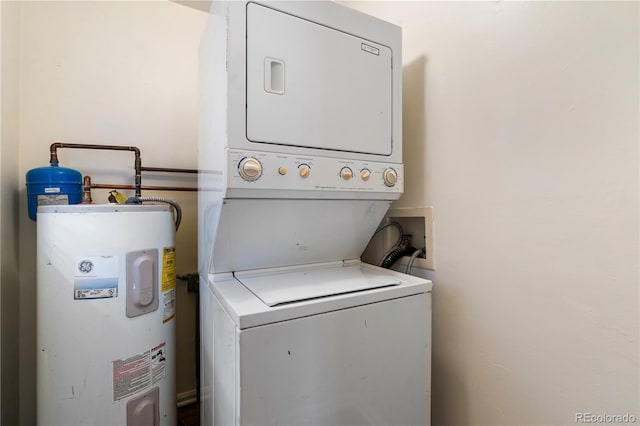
{"x": 168, "y": 283}
{"x": 131, "y": 375}
{"x": 95, "y": 277}
{"x": 168, "y": 268}
{"x": 137, "y": 373}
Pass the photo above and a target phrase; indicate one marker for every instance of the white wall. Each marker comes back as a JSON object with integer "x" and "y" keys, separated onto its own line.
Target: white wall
{"x": 9, "y": 135}
{"x": 522, "y": 130}
{"x": 120, "y": 73}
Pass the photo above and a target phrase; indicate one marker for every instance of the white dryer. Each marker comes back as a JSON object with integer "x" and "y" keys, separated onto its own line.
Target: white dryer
{"x": 301, "y": 156}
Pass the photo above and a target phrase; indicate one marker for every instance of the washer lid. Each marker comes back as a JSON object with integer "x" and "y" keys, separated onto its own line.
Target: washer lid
{"x": 300, "y": 285}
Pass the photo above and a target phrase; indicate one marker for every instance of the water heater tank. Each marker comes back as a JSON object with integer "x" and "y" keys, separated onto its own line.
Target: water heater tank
{"x": 106, "y": 315}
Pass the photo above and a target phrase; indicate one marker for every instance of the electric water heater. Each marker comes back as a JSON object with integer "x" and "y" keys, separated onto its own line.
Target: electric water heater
{"x": 106, "y": 315}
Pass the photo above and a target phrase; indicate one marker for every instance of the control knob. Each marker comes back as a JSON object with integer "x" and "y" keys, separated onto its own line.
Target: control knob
{"x": 390, "y": 177}
{"x": 250, "y": 169}
{"x": 304, "y": 171}
{"x": 346, "y": 173}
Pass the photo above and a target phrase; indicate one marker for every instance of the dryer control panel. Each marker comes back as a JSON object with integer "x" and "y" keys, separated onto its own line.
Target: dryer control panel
{"x": 266, "y": 170}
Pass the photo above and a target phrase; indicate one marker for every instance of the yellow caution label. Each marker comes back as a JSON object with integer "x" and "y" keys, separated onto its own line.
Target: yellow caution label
{"x": 168, "y": 268}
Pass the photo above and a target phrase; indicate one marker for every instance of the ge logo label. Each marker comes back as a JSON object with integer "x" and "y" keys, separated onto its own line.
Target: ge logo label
{"x": 85, "y": 266}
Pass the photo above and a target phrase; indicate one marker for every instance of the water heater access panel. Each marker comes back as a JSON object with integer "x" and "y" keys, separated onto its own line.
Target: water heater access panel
{"x": 313, "y": 86}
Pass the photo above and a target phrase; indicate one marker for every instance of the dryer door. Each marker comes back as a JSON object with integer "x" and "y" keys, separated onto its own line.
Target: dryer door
{"x": 312, "y": 86}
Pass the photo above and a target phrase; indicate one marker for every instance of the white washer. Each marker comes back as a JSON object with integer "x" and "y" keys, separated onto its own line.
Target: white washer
{"x": 340, "y": 343}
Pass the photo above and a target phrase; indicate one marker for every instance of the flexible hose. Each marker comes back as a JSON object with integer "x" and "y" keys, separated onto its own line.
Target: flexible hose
{"x": 412, "y": 259}
{"x": 176, "y": 206}
{"x": 396, "y": 225}
{"x": 388, "y": 253}
{"x": 396, "y": 245}
{"x": 395, "y": 254}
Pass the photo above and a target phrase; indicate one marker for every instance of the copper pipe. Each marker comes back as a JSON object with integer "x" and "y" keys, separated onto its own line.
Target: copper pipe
{"x": 86, "y": 190}
{"x": 146, "y": 188}
{"x": 167, "y": 170}
{"x": 137, "y": 164}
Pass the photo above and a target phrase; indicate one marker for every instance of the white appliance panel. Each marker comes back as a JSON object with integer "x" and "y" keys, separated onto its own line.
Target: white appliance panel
{"x": 219, "y": 364}
{"x": 345, "y": 359}
{"x": 209, "y": 324}
{"x": 310, "y": 85}
{"x": 280, "y": 176}
{"x": 266, "y": 233}
{"x": 360, "y": 366}
{"x": 247, "y": 310}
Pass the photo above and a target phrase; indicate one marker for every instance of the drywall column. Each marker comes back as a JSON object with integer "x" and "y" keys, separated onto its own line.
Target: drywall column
{"x": 9, "y": 135}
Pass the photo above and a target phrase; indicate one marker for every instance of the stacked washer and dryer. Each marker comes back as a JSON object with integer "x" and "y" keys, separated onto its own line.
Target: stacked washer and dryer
{"x": 300, "y": 159}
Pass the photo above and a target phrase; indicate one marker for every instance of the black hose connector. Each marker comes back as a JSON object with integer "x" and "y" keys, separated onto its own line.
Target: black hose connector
{"x": 396, "y": 254}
